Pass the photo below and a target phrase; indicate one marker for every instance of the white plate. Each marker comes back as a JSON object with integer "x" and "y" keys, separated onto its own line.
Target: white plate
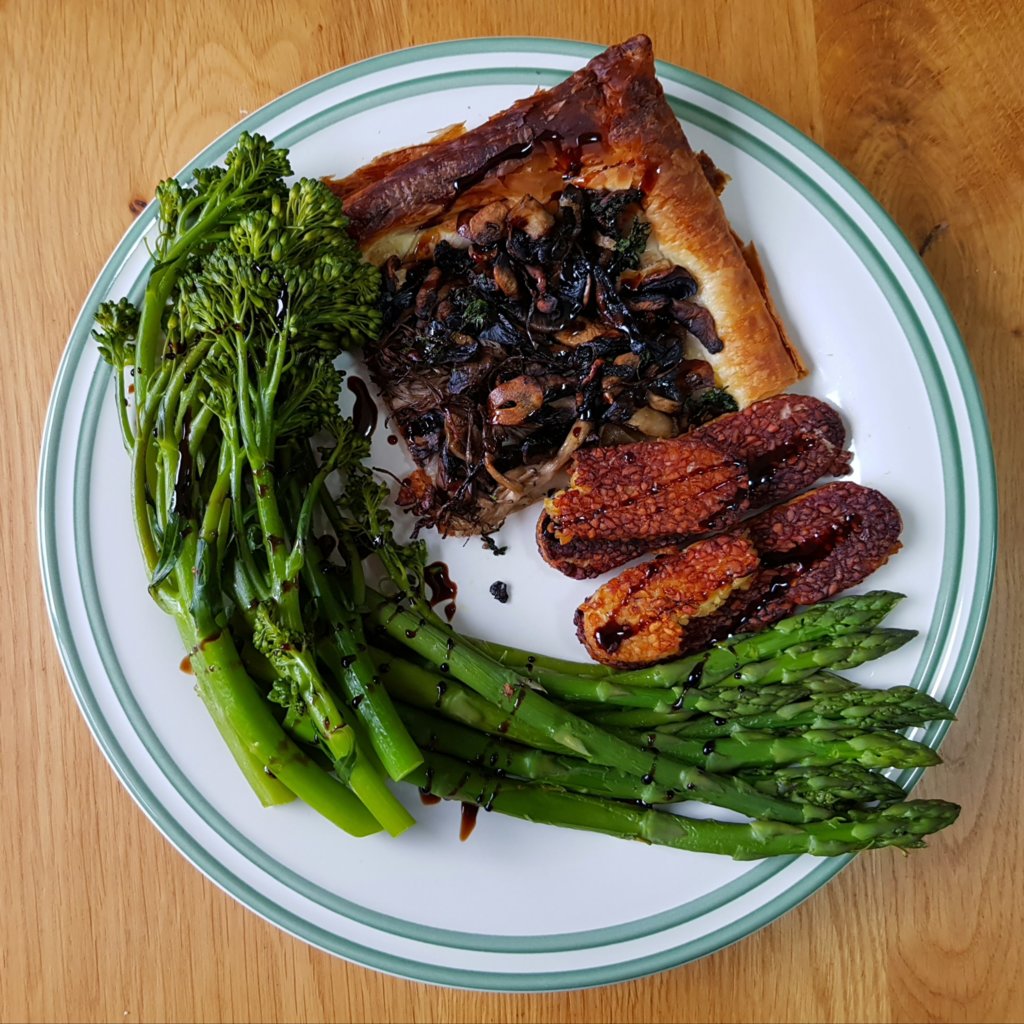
{"x": 524, "y": 907}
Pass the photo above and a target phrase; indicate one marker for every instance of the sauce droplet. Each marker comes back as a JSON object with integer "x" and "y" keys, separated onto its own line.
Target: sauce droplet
{"x": 814, "y": 548}
{"x": 441, "y": 587}
{"x": 469, "y": 813}
{"x": 364, "y": 412}
{"x": 612, "y": 635}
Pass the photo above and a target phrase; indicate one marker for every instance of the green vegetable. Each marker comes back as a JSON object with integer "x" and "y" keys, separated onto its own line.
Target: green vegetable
{"x": 902, "y": 825}
{"x": 745, "y": 749}
{"x": 433, "y": 640}
{"x": 708, "y": 404}
{"x": 815, "y": 702}
{"x": 629, "y": 248}
{"x": 838, "y": 786}
{"x": 256, "y": 289}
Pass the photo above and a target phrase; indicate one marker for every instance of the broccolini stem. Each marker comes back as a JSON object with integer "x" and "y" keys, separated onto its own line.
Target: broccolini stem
{"x": 346, "y": 654}
{"x": 123, "y": 414}
{"x": 150, "y": 337}
{"x": 226, "y": 687}
{"x": 140, "y": 476}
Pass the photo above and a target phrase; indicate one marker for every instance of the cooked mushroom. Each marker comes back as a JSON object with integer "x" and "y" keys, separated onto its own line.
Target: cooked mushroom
{"x": 580, "y": 334}
{"x": 523, "y": 321}
{"x": 486, "y": 226}
{"x": 505, "y": 276}
{"x": 426, "y": 297}
{"x": 660, "y": 403}
{"x": 511, "y": 402}
{"x": 652, "y": 423}
{"x": 662, "y": 279}
{"x": 699, "y": 322}
{"x": 531, "y": 217}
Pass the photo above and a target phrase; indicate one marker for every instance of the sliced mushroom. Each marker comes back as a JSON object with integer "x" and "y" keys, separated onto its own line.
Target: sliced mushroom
{"x": 531, "y": 217}
{"x": 699, "y": 322}
{"x": 512, "y": 401}
{"x": 660, "y": 403}
{"x": 662, "y": 279}
{"x": 426, "y": 297}
{"x": 392, "y": 274}
{"x": 695, "y": 373}
{"x": 615, "y": 433}
{"x": 648, "y": 303}
{"x": 627, "y": 359}
{"x": 486, "y": 226}
{"x": 577, "y": 334}
{"x": 652, "y": 423}
{"x": 505, "y": 276}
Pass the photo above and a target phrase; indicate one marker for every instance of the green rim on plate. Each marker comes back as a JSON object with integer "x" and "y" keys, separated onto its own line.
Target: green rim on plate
{"x": 921, "y": 345}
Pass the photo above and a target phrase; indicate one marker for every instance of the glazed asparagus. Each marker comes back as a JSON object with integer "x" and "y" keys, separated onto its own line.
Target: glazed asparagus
{"x": 903, "y": 825}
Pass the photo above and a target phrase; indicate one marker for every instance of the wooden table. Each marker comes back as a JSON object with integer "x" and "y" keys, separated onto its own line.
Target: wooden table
{"x": 101, "y": 919}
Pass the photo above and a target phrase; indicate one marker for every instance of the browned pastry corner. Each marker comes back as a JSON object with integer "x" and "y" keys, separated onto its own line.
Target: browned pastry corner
{"x": 562, "y": 275}
{"x": 630, "y": 499}
{"x": 804, "y": 551}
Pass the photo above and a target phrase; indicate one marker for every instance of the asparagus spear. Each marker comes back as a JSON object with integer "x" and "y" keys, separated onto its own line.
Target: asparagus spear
{"x": 528, "y": 662}
{"x": 853, "y": 614}
{"x": 897, "y": 708}
{"x": 434, "y": 691}
{"x": 844, "y": 651}
{"x": 732, "y": 702}
{"x": 785, "y": 668}
{"x": 513, "y": 695}
{"x": 856, "y": 614}
{"x": 435, "y": 734}
{"x": 750, "y": 749}
{"x": 837, "y": 786}
{"x": 902, "y": 825}
{"x": 793, "y": 663}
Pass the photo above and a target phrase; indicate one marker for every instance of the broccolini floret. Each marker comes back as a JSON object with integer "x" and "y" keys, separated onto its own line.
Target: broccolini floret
{"x": 256, "y": 288}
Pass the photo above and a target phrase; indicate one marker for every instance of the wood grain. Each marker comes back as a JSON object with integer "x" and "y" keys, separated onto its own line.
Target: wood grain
{"x": 100, "y": 918}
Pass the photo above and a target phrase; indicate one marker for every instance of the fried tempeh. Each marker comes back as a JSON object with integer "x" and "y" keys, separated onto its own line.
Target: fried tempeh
{"x": 804, "y": 551}
{"x": 585, "y": 559}
{"x": 625, "y": 501}
{"x": 650, "y": 491}
{"x": 641, "y": 616}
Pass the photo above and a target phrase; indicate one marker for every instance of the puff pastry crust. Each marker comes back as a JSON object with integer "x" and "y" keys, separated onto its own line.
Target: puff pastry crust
{"x": 607, "y": 126}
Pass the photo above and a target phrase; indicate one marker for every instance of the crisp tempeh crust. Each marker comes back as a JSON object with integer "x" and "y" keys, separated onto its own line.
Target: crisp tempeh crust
{"x": 788, "y": 557}
{"x": 630, "y": 499}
